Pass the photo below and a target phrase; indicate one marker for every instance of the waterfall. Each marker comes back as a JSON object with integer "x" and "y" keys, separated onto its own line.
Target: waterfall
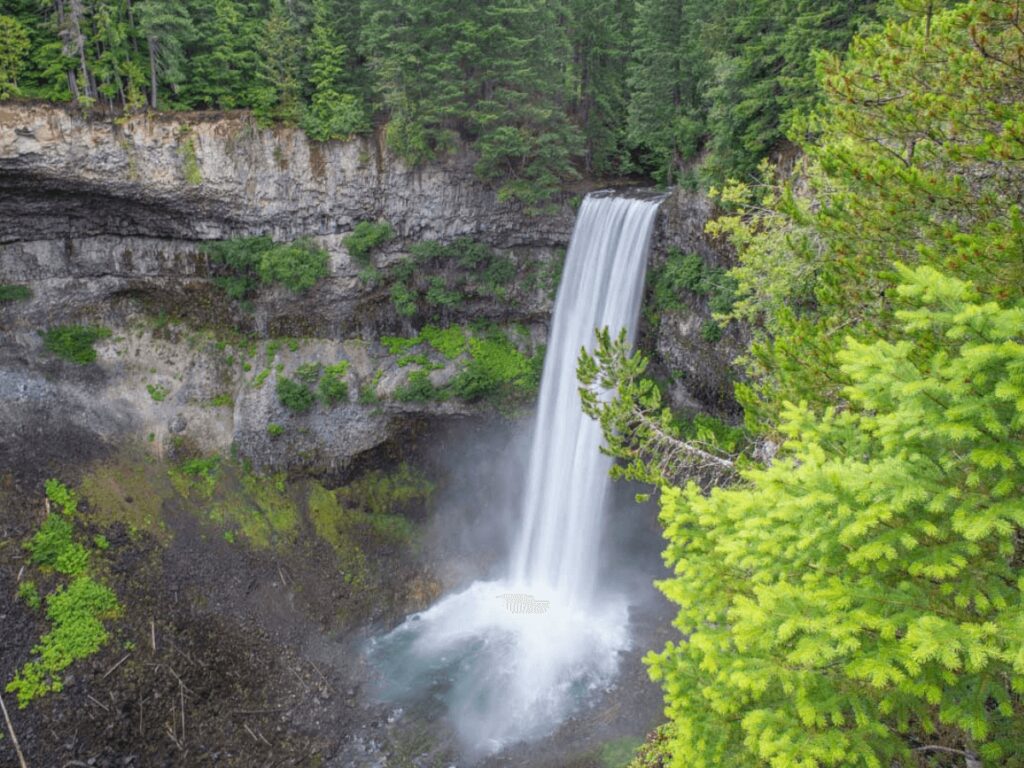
{"x": 512, "y": 658}
{"x": 602, "y": 286}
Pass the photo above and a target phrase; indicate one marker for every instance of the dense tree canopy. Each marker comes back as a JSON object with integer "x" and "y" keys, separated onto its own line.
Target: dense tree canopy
{"x": 543, "y": 89}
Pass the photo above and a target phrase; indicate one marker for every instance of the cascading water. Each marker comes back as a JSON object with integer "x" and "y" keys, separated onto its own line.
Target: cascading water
{"x": 512, "y": 658}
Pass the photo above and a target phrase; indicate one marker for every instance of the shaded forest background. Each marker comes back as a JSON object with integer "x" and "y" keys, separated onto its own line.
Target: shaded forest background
{"x": 543, "y": 89}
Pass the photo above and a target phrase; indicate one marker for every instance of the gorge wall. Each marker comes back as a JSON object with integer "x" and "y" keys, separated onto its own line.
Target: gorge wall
{"x": 104, "y": 220}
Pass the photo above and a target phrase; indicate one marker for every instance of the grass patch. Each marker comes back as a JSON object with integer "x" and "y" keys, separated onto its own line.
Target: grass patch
{"x": 75, "y": 342}
{"x": 10, "y": 292}
{"x": 275, "y": 430}
{"x": 131, "y": 489}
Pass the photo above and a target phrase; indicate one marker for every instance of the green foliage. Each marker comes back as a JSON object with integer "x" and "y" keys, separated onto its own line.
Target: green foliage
{"x": 10, "y": 292}
{"x": 865, "y": 588}
{"x": 158, "y": 392}
{"x": 293, "y": 395}
{"x": 442, "y": 276}
{"x": 298, "y": 265}
{"x": 489, "y": 72}
{"x": 198, "y": 473}
{"x": 190, "y": 162}
{"x": 450, "y": 342}
{"x": 243, "y": 264}
{"x": 335, "y": 110}
{"x": 14, "y": 48}
{"x": 888, "y": 179}
{"x": 75, "y": 342}
{"x": 497, "y": 370}
{"x": 333, "y": 387}
{"x": 62, "y": 496}
{"x": 76, "y": 613}
{"x": 418, "y": 388}
{"x": 308, "y": 373}
{"x": 365, "y": 238}
{"x": 28, "y": 593}
{"x": 275, "y": 430}
{"x": 688, "y": 273}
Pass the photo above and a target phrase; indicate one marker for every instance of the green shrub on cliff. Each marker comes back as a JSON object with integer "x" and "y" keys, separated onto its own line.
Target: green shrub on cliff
{"x": 366, "y": 237}
{"x": 242, "y": 265}
{"x": 75, "y": 342}
{"x": 295, "y": 396}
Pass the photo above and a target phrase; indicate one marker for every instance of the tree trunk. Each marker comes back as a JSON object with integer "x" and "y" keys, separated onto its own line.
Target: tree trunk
{"x": 151, "y": 42}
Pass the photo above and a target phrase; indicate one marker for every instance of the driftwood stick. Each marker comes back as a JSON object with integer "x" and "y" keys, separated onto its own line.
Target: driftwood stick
{"x": 14, "y": 739}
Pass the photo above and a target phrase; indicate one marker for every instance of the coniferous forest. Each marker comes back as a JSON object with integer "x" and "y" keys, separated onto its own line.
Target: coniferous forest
{"x": 845, "y": 540}
{"x": 542, "y": 90}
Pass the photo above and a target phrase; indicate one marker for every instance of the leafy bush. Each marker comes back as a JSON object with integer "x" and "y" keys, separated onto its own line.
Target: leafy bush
{"x": 75, "y": 342}
{"x": 332, "y": 387}
{"x": 463, "y": 262}
{"x": 298, "y": 266}
{"x": 14, "y": 292}
{"x": 497, "y": 369}
{"x": 687, "y": 272}
{"x": 294, "y": 396}
{"x": 243, "y": 264}
{"x": 366, "y": 236}
{"x": 404, "y": 299}
{"x": 450, "y": 342}
{"x": 77, "y": 614}
{"x": 418, "y": 389}
{"x": 275, "y": 430}
{"x": 308, "y": 373}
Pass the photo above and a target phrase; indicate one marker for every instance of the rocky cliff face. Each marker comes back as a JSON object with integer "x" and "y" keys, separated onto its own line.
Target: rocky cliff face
{"x": 104, "y": 221}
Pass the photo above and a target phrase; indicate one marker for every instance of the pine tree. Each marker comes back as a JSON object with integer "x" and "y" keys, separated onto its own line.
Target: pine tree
{"x": 223, "y": 64}
{"x": 665, "y": 77}
{"x": 599, "y": 35}
{"x": 167, "y": 28}
{"x": 278, "y": 95}
{"x": 14, "y": 48}
{"x": 335, "y": 110}
{"x": 861, "y": 597}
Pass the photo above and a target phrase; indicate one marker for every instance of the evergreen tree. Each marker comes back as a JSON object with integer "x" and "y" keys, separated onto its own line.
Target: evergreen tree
{"x": 335, "y": 110}
{"x": 900, "y": 168}
{"x": 669, "y": 66}
{"x": 14, "y": 48}
{"x": 223, "y": 64}
{"x": 167, "y": 28}
{"x": 278, "y": 95}
{"x": 600, "y": 32}
{"x": 859, "y": 602}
